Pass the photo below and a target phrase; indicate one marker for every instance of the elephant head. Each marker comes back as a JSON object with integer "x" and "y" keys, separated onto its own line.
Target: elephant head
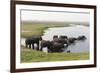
{"x": 81, "y": 37}
{"x": 71, "y": 40}
{"x": 55, "y": 37}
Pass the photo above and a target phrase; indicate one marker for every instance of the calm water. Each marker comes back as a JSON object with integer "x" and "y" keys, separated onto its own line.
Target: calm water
{"x": 72, "y": 31}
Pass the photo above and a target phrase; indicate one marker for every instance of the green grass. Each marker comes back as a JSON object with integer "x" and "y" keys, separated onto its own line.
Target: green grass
{"x": 36, "y": 29}
{"x": 28, "y": 55}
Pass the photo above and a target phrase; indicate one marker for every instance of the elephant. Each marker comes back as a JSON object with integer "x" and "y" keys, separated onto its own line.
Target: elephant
{"x": 61, "y": 39}
{"x": 45, "y": 43}
{"x": 71, "y": 40}
{"x": 81, "y": 37}
{"x": 55, "y": 37}
{"x": 68, "y": 51}
{"x": 32, "y": 41}
{"x": 52, "y": 46}
{"x": 56, "y": 47}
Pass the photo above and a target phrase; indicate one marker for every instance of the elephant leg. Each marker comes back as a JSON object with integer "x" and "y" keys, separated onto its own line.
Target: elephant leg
{"x": 41, "y": 49}
{"x": 32, "y": 46}
{"x": 29, "y": 45}
{"x": 49, "y": 51}
{"x": 26, "y": 46}
{"x": 67, "y": 45}
{"x": 37, "y": 48}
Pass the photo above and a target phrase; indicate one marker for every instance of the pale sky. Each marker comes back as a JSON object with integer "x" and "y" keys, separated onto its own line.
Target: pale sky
{"x": 27, "y": 15}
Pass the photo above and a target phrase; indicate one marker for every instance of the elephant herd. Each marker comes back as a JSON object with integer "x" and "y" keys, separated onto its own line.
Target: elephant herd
{"x": 55, "y": 45}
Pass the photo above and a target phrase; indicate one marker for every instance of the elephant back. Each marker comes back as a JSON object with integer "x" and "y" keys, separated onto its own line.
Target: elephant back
{"x": 63, "y": 37}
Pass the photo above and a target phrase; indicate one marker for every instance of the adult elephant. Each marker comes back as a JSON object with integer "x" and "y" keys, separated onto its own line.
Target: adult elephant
{"x": 56, "y": 47}
{"x": 45, "y": 43}
{"x": 63, "y": 37}
{"x": 32, "y": 41}
{"x": 71, "y": 40}
{"x": 63, "y": 40}
{"x": 81, "y": 37}
{"x": 55, "y": 37}
{"x": 52, "y": 46}
{"x": 60, "y": 37}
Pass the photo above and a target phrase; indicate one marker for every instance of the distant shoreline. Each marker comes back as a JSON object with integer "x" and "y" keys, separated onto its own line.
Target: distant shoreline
{"x": 55, "y": 22}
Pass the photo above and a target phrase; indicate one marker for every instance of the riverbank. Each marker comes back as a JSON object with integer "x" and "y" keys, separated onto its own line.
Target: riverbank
{"x": 36, "y": 29}
{"x": 28, "y": 55}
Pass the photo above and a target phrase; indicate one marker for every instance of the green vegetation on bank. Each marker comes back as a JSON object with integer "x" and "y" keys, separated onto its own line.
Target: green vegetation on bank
{"x": 34, "y": 29}
{"x": 29, "y": 55}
